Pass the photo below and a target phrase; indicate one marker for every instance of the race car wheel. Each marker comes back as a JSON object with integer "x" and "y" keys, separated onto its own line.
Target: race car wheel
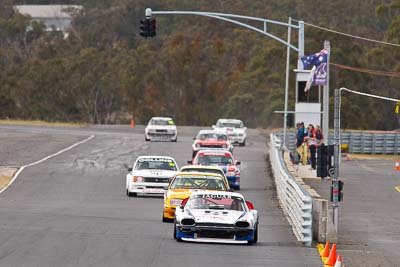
{"x": 147, "y": 139}
{"x": 255, "y": 238}
{"x": 243, "y": 144}
{"x": 175, "y": 140}
{"x": 165, "y": 219}
{"x": 194, "y": 154}
{"x": 177, "y": 239}
{"x": 130, "y": 194}
{"x": 256, "y": 235}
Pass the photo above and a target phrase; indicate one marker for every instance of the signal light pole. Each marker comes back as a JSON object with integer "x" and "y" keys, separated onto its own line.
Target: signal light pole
{"x": 337, "y": 185}
{"x": 233, "y": 18}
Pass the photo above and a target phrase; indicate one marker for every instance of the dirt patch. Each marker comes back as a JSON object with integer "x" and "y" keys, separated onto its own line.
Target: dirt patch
{"x": 6, "y": 175}
{"x": 42, "y": 123}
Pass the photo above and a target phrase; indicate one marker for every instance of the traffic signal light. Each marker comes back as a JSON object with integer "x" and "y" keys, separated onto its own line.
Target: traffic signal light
{"x": 340, "y": 199}
{"x": 152, "y": 27}
{"x": 148, "y": 27}
{"x": 337, "y": 191}
{"x": 144, "y": 28}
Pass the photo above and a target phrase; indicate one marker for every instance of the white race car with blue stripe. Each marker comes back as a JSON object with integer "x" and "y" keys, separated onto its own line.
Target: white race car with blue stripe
{"x": 216, "y": 217}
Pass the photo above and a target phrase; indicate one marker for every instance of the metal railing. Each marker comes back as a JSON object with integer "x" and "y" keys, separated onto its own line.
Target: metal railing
{"x": 295, "y": 201}
{"x": 361, "y": 142}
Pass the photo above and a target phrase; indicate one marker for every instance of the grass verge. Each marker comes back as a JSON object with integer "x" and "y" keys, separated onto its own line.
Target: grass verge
{"x": 6, "y": 175}
{"x": 42, "y": 123}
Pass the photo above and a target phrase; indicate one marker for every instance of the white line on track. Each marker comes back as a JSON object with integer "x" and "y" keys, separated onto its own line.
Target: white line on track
{"x": 43, "y": 160}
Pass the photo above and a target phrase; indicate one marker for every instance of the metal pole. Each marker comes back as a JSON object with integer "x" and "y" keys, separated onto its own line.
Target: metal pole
{"x": 336, "y": 142}
{"x": 301, "y": 45}
{"x": 325, "y": 115}
{"x": 287, "y": 83}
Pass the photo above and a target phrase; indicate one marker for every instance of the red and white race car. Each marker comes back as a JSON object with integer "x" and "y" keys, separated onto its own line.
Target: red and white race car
{"x": 224, "y": 160}
{"x": 211, "y": 139}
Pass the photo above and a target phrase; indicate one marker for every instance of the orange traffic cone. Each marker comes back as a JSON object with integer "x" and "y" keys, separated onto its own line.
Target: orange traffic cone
{"x": 338, "y": 261}
{"x": 132, "y": 123}
{"x": 325, "y": 253}
{"x": 348, "y": 157}
{"x": 397, "y": 166}
{"x": 332, "y": 256}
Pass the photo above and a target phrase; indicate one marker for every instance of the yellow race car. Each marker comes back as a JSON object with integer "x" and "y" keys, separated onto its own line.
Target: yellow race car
{"x": 205, "y": 168}
{"x": 182, "y": 186}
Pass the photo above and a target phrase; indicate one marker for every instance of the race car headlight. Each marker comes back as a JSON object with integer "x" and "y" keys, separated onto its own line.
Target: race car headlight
{"x": 240, "y": 135}
{"x": 175, "y": 202}
{"x": 230, "y": 173}
{"x": 137, "y": 179}
{"x": 224, "y": 146}
{"x": 242, "y": 224}
{"x": 188, "y": 222}
{"x": 198, "y": 145}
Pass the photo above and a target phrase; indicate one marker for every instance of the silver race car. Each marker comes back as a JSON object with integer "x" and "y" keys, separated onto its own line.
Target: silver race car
{"x": 235, "y": 129}
{"x": 161, "y": 129}
{"x": 216, "y": 217}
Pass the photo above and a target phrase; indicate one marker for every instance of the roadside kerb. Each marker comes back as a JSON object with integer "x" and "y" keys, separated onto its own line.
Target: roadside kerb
{"x": 295, "y": 201}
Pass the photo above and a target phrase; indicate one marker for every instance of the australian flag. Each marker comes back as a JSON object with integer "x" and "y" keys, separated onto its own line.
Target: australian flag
{"x": 315, "y": 59}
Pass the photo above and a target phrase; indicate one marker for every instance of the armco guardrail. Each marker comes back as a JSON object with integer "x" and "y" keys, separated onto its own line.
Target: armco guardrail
{"x": 295, "y": 201}
{"x": 362, "y": 142}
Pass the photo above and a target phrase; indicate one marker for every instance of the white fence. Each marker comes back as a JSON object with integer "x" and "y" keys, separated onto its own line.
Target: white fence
{"x": 294, "y": 200}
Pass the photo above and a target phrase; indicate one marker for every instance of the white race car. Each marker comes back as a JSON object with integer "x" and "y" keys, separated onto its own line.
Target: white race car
{"x": 216, "y": 217}
{"x": 235, "y": 130}
{"x": 150, "y": 175}
{"x": 161, "y": 129}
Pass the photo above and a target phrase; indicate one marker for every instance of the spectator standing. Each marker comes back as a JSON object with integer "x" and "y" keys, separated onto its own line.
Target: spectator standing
{"x": 318, "y": 135}
{"x": 301, "y": 148}
{"x": 312, "y": 144}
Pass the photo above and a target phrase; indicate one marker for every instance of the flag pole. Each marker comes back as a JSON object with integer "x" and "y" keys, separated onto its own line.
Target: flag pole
{"x": 325, "y": 115}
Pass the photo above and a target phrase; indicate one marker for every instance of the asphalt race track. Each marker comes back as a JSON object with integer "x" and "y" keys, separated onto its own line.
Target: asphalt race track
{"x": 72, "y": 210}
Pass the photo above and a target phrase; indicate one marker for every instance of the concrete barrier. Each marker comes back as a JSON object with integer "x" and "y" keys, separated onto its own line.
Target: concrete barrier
{"x": 322, "y": 228}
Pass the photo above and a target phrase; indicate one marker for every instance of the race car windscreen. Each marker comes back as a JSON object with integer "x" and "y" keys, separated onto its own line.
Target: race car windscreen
{"x": 162, "y": 122}
{"x": 198, "y": 182}
{"x": 230, "y": 125}
{"x": 218, "y": 136}
{"x": 221, "y": 172}
{"x": 210, "y": 159}
{"x": 216, "y": 201}
{"x": 155, "y": 164}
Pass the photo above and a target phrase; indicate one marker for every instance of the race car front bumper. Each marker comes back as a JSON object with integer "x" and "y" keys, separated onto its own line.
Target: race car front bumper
{"x": 214, "y": 234}
{"x": 167, "y": 136}
{"x": 148, "y": 188}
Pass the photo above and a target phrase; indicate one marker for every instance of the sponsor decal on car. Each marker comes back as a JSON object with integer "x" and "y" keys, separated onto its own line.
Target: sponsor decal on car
{"x": 157, "y": 159}
{"x": 215, "y": 196}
